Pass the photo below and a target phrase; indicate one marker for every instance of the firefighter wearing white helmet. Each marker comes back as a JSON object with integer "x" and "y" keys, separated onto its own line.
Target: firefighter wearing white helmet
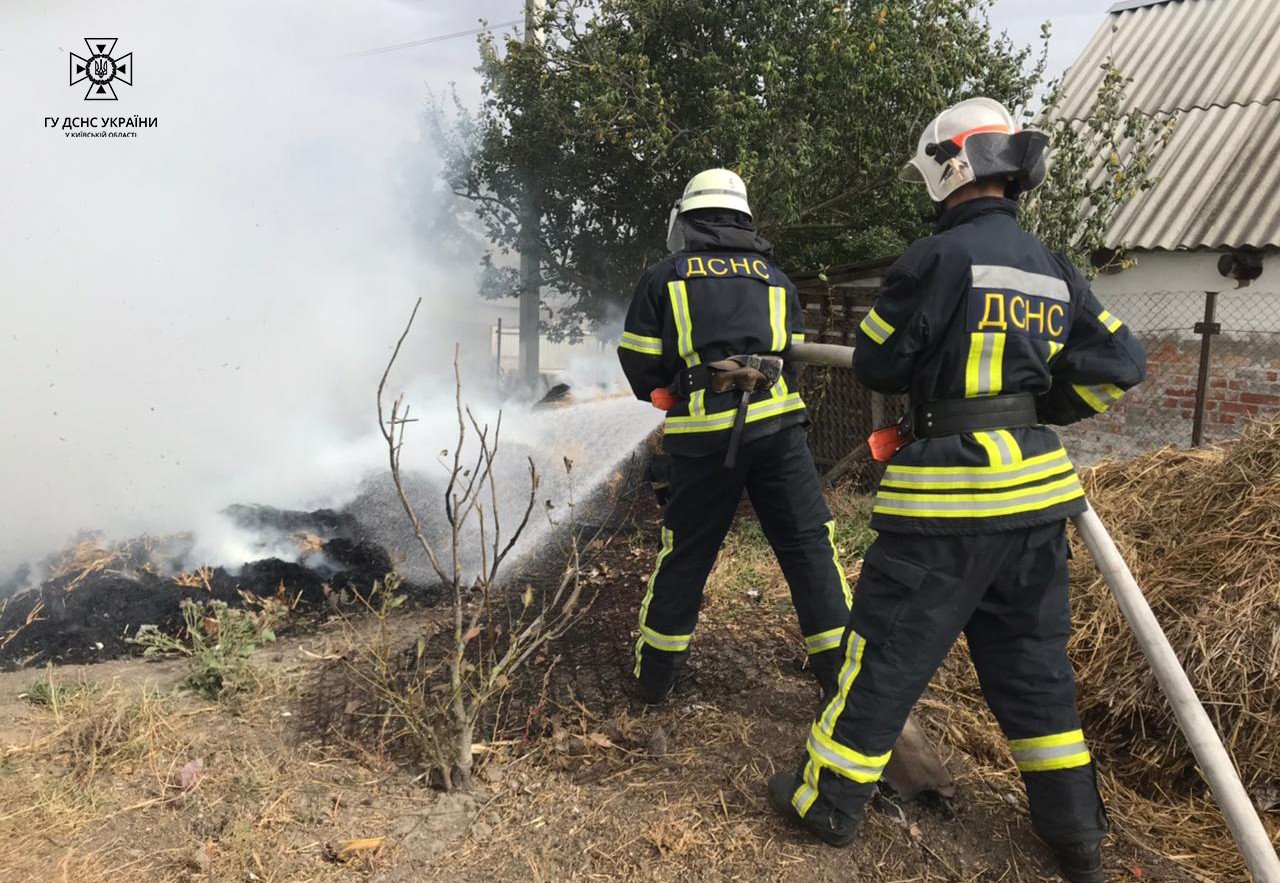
{"x": 719, "y": 295}
{"x": 712, "y": 189}
{"x": 974, "y": 141}
{"x": 993, "y": 336}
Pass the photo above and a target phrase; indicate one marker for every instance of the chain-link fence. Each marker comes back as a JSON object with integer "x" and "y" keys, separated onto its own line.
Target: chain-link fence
{"x": 1213, "y": 363}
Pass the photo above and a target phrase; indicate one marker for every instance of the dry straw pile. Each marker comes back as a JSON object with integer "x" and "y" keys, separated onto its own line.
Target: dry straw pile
{"x": 1201, "y": 531}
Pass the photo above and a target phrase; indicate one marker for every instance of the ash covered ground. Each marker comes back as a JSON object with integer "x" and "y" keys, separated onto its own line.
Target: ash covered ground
{"x": 96, "y": 594}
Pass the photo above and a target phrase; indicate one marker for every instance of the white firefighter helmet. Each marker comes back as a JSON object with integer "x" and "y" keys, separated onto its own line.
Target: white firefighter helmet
{"x": 974, "y": 140}
{"x": 714, "y": 188}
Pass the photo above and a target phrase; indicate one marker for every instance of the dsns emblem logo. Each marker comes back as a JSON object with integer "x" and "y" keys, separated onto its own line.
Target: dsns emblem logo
{"x": 101, "y": 68}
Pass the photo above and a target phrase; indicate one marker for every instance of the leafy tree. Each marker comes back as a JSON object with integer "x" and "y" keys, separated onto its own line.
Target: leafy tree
{"x": 1099, "y": 163}
{"x": 816, "y": 103}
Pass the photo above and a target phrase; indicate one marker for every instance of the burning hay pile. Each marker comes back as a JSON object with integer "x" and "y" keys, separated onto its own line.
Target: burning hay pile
{"x": 93, "y": 597}
{"x": 1201, "y": 532}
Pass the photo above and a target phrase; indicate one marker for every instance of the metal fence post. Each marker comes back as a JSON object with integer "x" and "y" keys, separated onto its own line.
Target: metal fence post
{"x": 497, "y": 372}
{"x": 1206, "y": 330}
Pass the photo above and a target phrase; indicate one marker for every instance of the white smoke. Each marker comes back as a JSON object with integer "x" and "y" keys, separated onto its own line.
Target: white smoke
{"x": 199, "y": 315}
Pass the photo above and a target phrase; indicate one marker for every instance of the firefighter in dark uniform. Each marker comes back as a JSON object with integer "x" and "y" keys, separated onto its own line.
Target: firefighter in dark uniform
{"x": 993, "y": 335}
{"x": 717, "y": 295}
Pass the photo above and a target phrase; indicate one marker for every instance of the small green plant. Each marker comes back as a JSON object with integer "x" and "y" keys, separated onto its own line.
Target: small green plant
{"x": 218, "y": 643}
{"x": 46, "y": 692}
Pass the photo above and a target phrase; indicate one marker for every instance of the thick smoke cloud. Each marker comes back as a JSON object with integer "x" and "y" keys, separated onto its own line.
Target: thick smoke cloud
{"x": 198, "y": 316}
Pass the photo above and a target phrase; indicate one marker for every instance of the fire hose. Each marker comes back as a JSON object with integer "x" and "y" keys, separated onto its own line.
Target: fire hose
{"x": 1215, "y": 763}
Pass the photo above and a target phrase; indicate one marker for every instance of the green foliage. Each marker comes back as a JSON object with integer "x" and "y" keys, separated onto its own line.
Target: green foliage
{"x": 817, "y": 103}
{"x": 218, "y": 643}
{"x": 1098, "y": 164}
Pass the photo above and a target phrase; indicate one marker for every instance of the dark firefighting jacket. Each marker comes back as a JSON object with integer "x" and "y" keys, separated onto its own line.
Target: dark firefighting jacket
{"x": 721, "y": 297}
{"x": 983, "y": 308}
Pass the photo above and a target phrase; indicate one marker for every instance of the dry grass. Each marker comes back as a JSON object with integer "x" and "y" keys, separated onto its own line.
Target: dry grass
{"x": 1201, "y": 532}
{"x": 747, "y": 572}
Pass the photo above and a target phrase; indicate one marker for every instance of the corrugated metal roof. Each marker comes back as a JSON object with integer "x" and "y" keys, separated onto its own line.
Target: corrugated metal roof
{"x": 1135, "y": 4}
{"x": 1212, "y": 63}
{"x": 1219, "y": 184}
{"x": 1184, "y": 54}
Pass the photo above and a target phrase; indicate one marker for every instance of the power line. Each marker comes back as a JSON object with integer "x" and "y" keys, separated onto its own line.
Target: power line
{"x": 396, "y": 47}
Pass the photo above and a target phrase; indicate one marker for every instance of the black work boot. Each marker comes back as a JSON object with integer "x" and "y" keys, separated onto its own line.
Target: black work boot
{"x": 1081, "y": 862}
{"x": 826, "y": 669}
{"x": 831, "y": 827}
{"x": 658, "y": 675}
{"x": 654, "y": 684}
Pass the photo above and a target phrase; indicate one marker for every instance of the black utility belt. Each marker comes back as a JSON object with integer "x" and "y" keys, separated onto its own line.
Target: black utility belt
{"x": 955, "y": 416}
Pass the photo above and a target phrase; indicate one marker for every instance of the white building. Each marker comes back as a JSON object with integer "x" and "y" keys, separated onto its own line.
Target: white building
{"x": 1214, "y": 65}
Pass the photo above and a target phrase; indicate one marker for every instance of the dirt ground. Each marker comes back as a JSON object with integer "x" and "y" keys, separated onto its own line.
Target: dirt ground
{"x": 121, "y": 779}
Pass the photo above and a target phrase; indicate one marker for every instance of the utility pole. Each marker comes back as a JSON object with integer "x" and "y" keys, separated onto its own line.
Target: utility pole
{"x": 530, "y": 267}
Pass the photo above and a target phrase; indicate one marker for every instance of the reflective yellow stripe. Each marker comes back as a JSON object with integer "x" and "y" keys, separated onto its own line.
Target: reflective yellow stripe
{"x": 1054, "y": 740}
{"x": 797, "y": 338}
{"x": 684, "y": 322}
{"x": 974, "y": 498}
{"x": 989, "y": 445}
{"x": 1001, "y": 448}
{"x": 876, "y": 328}
{"x": 978, "y": 480}
{"x": 828, "y": 753}
{"x": 807, "y": 793}
{"x": 1100, "y": 397}
{"x": 778, "y": 318}
{"x": 1054, "y": 349}
{"x": 779, "y": 390}
{"x": 1066, "y": 762}
{"x": 1015, "y": 449}
{"x": 671, "y": 643}
{"x": 844, "y": 681}
{"x": 698, "y": 403}
{"x": 668, "y": 543}
{"x": 649, "y": 346}
{"x": 1110, "y": 322}
{"x": 984, "y": 369}
{"x": 722, "y": 420}
{"x": 997, "y": 364}
{"x": 828, "y": 640}
{"x": 1037, "y": 460}
{"x": 835, "y": 559}
{"x": 1033, "y": 499}
{"x": 1059, "y": 751}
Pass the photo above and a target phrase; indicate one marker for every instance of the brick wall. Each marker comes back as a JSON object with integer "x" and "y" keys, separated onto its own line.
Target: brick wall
{"x": 1244, "y": 382}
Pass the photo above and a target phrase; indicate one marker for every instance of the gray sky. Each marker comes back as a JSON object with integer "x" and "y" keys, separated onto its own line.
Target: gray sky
{"x": 197, "y": 316}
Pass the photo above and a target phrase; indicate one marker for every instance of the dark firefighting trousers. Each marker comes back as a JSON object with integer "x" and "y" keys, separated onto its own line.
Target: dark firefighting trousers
{"x": 1007, "y": 592}
{"x": 779, "y": 476}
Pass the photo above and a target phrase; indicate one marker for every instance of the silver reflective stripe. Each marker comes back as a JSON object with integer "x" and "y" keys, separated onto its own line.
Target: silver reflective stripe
{"x": 1036, "y": 284}
{"x": 979, "y": 476}
{"x": 984, "y": 364}
{"x": 927, "y": 504}
{"x": 828, "y": 640}
{"x": 803, "y": 799}
{"x": 1006, "y": 455}
{"x": 714, "y": 191}
{"x": 873, "y": 323}
{"x": 673, "y": 643}
{"x": 843, "y": 764}
{"x": 1032, "y": 755}
{"x": 848, "y": 672}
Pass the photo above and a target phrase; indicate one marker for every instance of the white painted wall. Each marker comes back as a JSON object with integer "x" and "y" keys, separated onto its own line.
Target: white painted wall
{"x": 1165, "y": 294}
